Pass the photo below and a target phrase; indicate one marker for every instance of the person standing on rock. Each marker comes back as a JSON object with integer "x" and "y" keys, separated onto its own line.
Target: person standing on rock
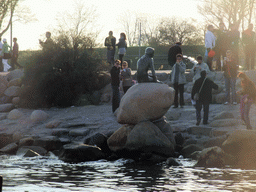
{"x": 230, "y": 69}
{"x": 209, "y": 44}
{"x": 122, "y": 47}
{"x": 1, "y": 63}
{"x": 126, "y": 77}
{"x": 173, "y": 51}
{"x": 110, "y": 43}
{"x": 178, "y": 80}
{"x": 205, "y": 96}
{"x": 15, "y": 54}
{"x": 145, "y": 63}
{"x": 5, "y": 55}
{"x": 115, "y": 82}
{"x": 248, "y": 97}
{"x": 198, "y": 67}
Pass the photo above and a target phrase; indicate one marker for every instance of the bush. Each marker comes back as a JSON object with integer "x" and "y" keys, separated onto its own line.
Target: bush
{"x": 59, "y": 76}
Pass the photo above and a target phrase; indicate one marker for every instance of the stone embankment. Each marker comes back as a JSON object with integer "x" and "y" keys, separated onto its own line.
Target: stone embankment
{"x": 87, "y": 133}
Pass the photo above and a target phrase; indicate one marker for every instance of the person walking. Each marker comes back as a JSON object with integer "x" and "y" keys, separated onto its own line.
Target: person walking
{"x": 204, "y": 87}
{"x": 209, "y": 44}
{"x": 249, "y": 47}
{"x": 115, "y": 82}
{"x": 178, "y": 80}
{"x": 15, "y": 54}
{"x": 198, "y": 67}
{"x": 230, "y": 69}
{"x": 5, "y": 55}
{"x": 122, "y": 47}
{"x": 173, "y": 51}
{"x": 248, "y": 96}
{"x": 126, "y": 77}
{"x": 145, "y": 63}
{"x": 110, "y": 43}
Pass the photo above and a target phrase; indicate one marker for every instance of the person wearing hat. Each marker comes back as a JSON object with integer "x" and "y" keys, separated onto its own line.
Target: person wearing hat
{"x": 173, "y": 51}
{"x": 209, "y": 44}
{"x": 5, "y": 54}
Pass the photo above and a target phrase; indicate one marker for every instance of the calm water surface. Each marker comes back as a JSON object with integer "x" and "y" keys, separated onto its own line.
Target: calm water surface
{"x": 48, "y": 174}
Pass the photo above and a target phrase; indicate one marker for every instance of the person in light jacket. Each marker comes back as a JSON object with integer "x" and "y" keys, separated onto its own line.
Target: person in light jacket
{"x": 198, "y": 67}
{"x": 126, "y": 77}
{"x": 209, "y": 43}
{"x": 122, "y": 47}
{"x": 178, "y": 80}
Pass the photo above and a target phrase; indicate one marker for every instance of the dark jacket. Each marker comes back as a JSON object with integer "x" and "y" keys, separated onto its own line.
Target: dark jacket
{"x": 233, "y": 39}
{"x": 173, "y": 51}
{"x": 115, "y": 73}
{"x": 248, "y": 38}
{"x": 110, "y": 42}
{"x": 230, "y": 69}
{"x": 206, "y": 91}
{"x": 122, "y": 43}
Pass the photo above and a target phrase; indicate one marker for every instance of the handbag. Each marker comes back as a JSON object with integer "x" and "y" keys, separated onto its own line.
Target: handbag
{"x": 7, "y": 56}
{"x": 196, "y": 96}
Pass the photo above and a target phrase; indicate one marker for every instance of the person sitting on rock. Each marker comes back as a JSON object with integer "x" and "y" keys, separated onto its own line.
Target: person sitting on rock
{"x": 143, "y": 65}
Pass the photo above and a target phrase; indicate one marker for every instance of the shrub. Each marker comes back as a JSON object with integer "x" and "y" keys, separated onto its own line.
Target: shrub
{"x": 59, "y": 76}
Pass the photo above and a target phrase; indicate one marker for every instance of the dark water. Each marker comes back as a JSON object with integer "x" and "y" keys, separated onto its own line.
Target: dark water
{"x": 52, "y": 175}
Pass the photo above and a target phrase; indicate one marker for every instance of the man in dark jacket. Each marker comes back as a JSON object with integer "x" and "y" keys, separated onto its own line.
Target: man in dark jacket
{"x": 15, "y": 54}
{"x": 173, "y": 51}
{"x": 115, "y": 82}
{"x": 110, "y": 43}
{"x": 205, "y": 96}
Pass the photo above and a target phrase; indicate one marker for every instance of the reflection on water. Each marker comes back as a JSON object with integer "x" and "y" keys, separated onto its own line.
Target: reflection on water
{"x": 50, "y": 174}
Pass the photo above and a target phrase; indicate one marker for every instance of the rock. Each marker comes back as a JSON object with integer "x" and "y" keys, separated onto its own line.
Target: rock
{"x": 26, "y": 142}
{"x": 189, "y": 149}
{"x": 166, "y": 129}
{"x": 223, "y": 115}
{"x": 147, "y": 137}
{"x": 50, "y": 143}
{"x": 145, "y": 101}
{"x": 15, "y": 100}
{"x": 172, "y": 115}
{"x": 79, "y": 132}
{"x": 211, "y": 157}
{"x": 118, "y": 139}
{"x": 14, "y": 114}
{"x": 38, "y": 115}
{"x": 6, "y": 107}
{"x": 3, "y": 79}
{"x": 31, "y": 153}
{"x": 5, "y": 139}
{"x": 95, "y": 98}
{"x": 53, "y": 124}
{"x": 80, "y": 153}
{"x": 196, "y": 130}
{"x": 172, "y": 162}
{"x": 151, "y": 158}
{"x": 99, "y": 140}
{"x": 215, "y": 141}
{"x": 3, "y": 116}
{"x": 60, "y": 132}
{"x": 241, "y": 144}
{"x": 5, "y": 99}
{"x": 17, "y": 136}
{"x": 105, "y": 98}
{"x": 3, "y": 87}
{"x": 12, "y": 91}
{"x": 37, "y": 149}
{"x": 17, "y": 73}
{"x": 10, "y": 148}
{"x": 14, "y": 82}
{"x": 190, "y": 141}
{"x": 224, "y": 123}
{"x": 179, "y": 139}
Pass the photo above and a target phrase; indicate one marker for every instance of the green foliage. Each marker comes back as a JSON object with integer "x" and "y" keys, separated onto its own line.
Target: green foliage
{"x": 59, "y": 76}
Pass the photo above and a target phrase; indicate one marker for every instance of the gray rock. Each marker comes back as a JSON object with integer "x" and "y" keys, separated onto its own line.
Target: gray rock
{"x": 189, "y": 149}
{"x": 38, "y": 115}
{"x": 14, "y": 82}
{"x": 15, "y": 114}
{"x": 10, "y": 148}
{"x": 37, "y": 149}
{"x": 12, "y": 91}
{"x": 224, "y": 123}
{"x": 79, "y": 132}
{"x": 6, "y": 107}
{"x": 31, "y": 153}
{"x": 223, "y": 115}
{"x": 80, "y": 153}
{"x": 26, "y": 142}
{"x": 60, "y": 132}
{"x": 196, "y": 130}
{"x": 3, "y": 116}
{"x": 50, "y": 143}
{"x": 53, "y": 124}
{"x": 172, "y": 115}
{"x": 216, "y": 141}
{"x": 17, "y": 73}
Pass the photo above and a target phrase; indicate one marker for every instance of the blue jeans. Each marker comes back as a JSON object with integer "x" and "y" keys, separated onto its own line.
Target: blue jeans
{"x": 115, "y": 97}
{"x": 230, "y": 83}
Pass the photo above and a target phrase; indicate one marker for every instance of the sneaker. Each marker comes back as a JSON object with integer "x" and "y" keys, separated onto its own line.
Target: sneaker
{"x": 234, "y": 103}
{"x": 226, "y": 103}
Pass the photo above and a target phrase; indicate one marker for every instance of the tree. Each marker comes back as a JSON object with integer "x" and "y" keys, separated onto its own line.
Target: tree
{"x": 11, "y": 11}
{"x": 171, "y": 30}
{"x": 239, "y": 12}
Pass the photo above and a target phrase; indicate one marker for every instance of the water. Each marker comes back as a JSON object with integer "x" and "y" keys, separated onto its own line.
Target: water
{"x": 48, "y": 174}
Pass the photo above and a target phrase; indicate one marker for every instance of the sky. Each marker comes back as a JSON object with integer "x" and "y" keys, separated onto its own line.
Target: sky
{"x": 108, "y": 12}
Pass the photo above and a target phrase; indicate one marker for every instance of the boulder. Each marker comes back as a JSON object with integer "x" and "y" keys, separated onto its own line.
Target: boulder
{"x": 50, "y": 143}
{"x": 3, "y": 87}
{"x": 6, "y": 107}
{"x": 241, "y": 144}
{"x": 10, "y": 148}
{"x": 147, "y": 137}
{"x": 26, "y": 141}
{"x": 53, "y": 124}
{"x": 80, "y": 153}
{"x": 38, "y": 115}
{"x": 37, "y": 149}
{"x": 215, "y": 141}
{"x": 189, "y": 149}
{"x": 14, "y": 82}
{"x": 224, "y": 123}
{"x": 145, "y": 101}
{"x": 15, "y": 100}
{"x": 15, "y": 74}
{"x": 118, "y": 139}
{"x": 5, "y": 99}
{"x": 211, "y": 157}
{"x": 31, "y": 153}
{"x": 223, "y": 115}
{"x": 172, "y": 115}
{"x": 12, "y": 91}
{"x": 14, "y": 114}
{"x": 3, "y": 79}
{"x": 172, "y": 162}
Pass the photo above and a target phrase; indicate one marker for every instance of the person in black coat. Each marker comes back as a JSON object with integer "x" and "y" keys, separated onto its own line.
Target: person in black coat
{"x": 205, "y": 96}
{"x": 173, "y": 51}
{"x": 115, "y": 82}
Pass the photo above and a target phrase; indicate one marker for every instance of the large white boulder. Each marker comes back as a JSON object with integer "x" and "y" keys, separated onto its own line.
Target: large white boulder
{"x": 145, "y": 101}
